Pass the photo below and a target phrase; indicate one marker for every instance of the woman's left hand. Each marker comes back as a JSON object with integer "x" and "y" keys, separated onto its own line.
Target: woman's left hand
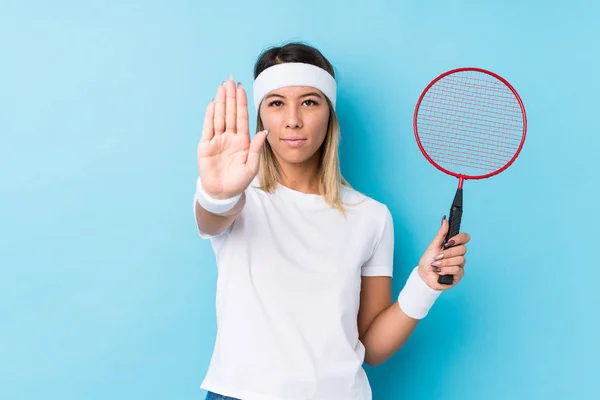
{"x": 438, "y": 260}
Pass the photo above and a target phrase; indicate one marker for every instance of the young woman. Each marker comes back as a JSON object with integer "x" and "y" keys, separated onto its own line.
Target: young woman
{"x": 304, "y": 261}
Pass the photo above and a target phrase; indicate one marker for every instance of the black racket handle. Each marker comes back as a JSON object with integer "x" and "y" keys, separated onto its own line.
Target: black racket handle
{"x": 454, "y": 221}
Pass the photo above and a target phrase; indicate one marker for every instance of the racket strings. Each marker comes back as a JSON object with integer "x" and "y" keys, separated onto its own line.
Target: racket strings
{"x": 470, "y": 122}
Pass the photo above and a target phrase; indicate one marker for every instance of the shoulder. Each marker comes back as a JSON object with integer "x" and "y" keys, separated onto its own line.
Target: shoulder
{"x": 376, "y": 227}
{"x": 364, "y": 204}
{"x": 254, "y": 191}
{"x": 373, "y": 216}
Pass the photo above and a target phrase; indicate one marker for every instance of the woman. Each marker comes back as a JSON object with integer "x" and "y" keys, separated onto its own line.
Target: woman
{"x": 304, "y": 261}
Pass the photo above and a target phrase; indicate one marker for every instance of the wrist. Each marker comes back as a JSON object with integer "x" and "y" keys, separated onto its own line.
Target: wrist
{"x": 214, "y": 205}
{"x": 417, "y": 298}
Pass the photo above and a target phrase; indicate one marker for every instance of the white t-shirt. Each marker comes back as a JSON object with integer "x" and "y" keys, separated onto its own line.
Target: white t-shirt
{"x": 288, "y": 293}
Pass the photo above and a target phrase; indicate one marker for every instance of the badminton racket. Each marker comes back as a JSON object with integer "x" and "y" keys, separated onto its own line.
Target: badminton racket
{"x": 469, "y": 123}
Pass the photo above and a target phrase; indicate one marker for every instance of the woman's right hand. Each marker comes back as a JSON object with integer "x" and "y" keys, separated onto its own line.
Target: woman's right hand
{"x": 227, "y": 159}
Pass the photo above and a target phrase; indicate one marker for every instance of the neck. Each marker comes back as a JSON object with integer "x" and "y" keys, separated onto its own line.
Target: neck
{"x": 300, "y": 177}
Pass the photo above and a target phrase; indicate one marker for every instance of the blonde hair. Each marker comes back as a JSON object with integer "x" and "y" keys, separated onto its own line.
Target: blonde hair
{"x": 330, "y": 176}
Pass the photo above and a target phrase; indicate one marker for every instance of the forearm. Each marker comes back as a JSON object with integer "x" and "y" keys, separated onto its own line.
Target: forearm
{"x": 393, "y": 326}
{"x": 212, "y": 223}
{"x": 387, "y": 334}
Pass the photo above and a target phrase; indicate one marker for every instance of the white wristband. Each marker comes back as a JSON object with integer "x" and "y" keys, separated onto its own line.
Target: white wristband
{"x": 210, "y": 204}
{"x": 416, "y": 298}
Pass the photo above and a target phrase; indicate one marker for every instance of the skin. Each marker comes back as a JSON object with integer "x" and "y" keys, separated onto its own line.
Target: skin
{"x": 228, "y": 160}
{"x": 296, "y": 111}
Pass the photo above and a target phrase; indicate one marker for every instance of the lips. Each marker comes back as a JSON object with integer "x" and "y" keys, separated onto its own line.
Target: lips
{"x": 294, "y": 141}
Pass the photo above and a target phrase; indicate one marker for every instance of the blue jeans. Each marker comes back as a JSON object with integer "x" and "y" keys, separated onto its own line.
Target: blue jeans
{"x": 214, "y": 396}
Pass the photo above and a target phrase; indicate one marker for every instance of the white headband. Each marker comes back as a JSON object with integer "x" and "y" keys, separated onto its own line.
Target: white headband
{"x": 293, "y": 74}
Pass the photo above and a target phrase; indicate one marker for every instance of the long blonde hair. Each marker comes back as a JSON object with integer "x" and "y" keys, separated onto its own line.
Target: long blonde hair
{"x": 330, "y": 176}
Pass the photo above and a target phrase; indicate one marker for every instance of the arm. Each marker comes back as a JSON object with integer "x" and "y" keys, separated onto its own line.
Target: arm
{"x": 227, "y": 160}
{"x": 215, "y": 224}
{"x": 383, "y": 327}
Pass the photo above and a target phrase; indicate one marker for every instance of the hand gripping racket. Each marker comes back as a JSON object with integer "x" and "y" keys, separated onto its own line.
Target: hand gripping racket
{"x": 469, "y": 123}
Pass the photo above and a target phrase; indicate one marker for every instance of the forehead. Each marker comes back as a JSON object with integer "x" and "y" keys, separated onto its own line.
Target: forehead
{"x": 295, "y": 91}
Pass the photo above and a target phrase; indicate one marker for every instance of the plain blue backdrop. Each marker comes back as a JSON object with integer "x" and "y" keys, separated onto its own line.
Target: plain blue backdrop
{"x": 107, "y": 292}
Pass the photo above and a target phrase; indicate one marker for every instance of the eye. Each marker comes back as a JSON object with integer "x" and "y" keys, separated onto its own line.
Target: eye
{"x": 275, "y": 103}
{"x": 312, "y": 103}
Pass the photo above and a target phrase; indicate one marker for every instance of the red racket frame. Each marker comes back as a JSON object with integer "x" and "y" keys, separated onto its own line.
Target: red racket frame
{"x": 462, "y": 177}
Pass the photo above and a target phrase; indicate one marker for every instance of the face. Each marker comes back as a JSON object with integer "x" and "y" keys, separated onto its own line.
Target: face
{"x": 297, "y": 118}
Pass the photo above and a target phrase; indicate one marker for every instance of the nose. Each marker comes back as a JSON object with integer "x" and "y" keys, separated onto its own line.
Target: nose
{"x": 293, "y": 120}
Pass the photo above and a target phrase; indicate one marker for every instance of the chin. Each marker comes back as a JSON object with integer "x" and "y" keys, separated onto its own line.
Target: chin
{"x": 291, "y": 159}
{"x": 295, "y": 157}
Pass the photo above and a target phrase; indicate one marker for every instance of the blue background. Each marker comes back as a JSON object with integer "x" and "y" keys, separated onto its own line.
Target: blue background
{"x": 106, "y": 291}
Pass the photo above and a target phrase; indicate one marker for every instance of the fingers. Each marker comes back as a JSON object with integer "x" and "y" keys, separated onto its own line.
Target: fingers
{"x": 254, "y": 151}
{"x": 230, "y": 105}
{"x": 458, "y": 272}
{"x": 458, "y": 261}
{"x": 438, "y": 241}
{"x": 242, "y": 111}
{"x": 452, "y": 252}
{"x": 461, "y": 238}
{"x": 208, "y": 130}
{"x": 219, "y": 119}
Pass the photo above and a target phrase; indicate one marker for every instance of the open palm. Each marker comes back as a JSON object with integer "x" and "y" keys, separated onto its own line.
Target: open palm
{"x": 227, "y": 159}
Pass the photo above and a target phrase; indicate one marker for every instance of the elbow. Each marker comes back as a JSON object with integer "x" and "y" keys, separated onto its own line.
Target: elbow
{"x": 373, "y": 363}
{"x": 373, "y": 355}
{"x": 374, "y": 360}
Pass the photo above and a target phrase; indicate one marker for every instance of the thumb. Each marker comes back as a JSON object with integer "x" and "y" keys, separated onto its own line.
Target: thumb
{"x": 438, "y": 240}
{"x": 256, "y": 145}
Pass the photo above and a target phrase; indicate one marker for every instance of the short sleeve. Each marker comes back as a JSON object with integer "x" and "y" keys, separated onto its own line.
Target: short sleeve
{"x": 381, "y": 262}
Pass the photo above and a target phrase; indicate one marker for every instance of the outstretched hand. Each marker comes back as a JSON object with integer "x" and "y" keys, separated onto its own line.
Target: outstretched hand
{"x": 227, "y": 159}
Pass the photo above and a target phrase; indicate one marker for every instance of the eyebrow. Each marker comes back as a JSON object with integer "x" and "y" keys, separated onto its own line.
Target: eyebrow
{"x": 304, "y": 95}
